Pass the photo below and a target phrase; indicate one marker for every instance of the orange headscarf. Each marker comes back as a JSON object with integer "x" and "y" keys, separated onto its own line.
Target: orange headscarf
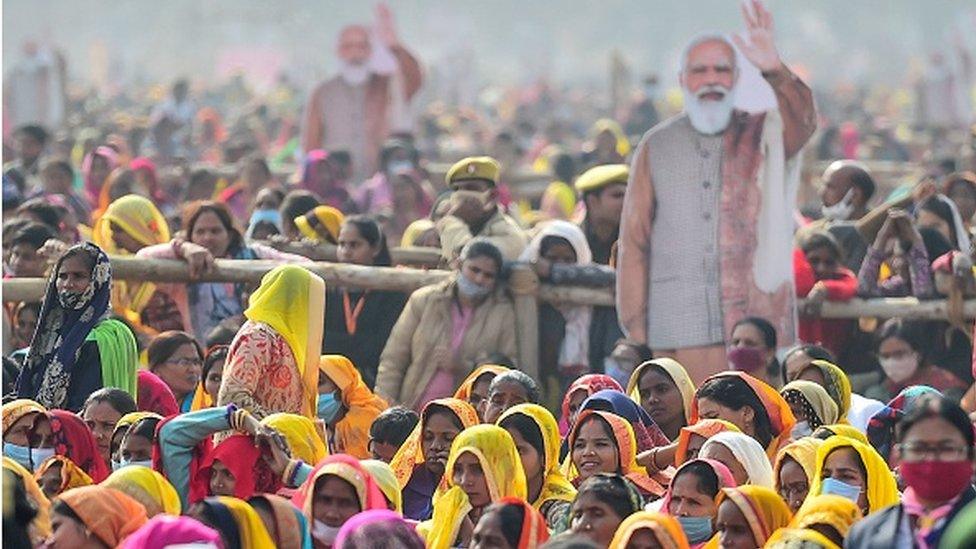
{"x": 534, "y": 530}
{"x": 665, "y": 529}
{"x": 107, "y": 513}
{"x": 362, "y": 406}
{"x": 71, "y": 475}
{"x": 464, "y": 391}
{"x": 781, "y": 417}
{"x": 705, "y": 428}
{"x": 764, "y": 510}
{"x": 411, "y": 453}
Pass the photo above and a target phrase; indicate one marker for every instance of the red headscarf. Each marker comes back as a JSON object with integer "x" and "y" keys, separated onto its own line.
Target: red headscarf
{"x": 590, "y": 383}
{"x": 75, "y": 441}
{"x": 154, "y": 395}
{"x": 238, "y": 454}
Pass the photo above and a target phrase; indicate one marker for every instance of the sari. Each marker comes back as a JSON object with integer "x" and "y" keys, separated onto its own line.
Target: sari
{"x": 291, "y": 300}
{"x": 362, "y": 406}
{"x": 71, "y": 475}
{"x": 750, "y": 455}
{"x": 250, "y": 527}
{"x": 818, "y": 407}
{"x": 464, "y": 390}
{"x": 40, "y": 527}
{"x": 836, "y": 511}
{"x": 303, "y": 437}
{"x": 75, "y": 441}
{"x": 837, "y": 385}
{"x": 665, "y": 529}
{"x": 290, "y": 527}
{"x": 623, "y": 435}
{"x": 646, "y": 431}
{"x": 705, "y": 428}
{"x": 239, "y": 455}
{"x": 804, "y": 452}
{"x": 504, "y": 476}
{"x": 163, "y": 531}
{"x": 108, "y": 514}
{"x": 128, "y": 420}
{"x": 589, "y": 384}
{"x": 781, "y": 419}
{"x": 386, "y": 480}
{"x": 378, "y": 528}
{"x": 411, "y": 454}
{"x": 880, "y": 486}
{"x": 722, "y": 473}
{"x": 348, "y": 469}
{"x": 534, "y": 532}
{"x": 94, "y": 188}
{"x": 674, "y": 370}
{"x": 148, "y": 487}
{"x": 763, "y": 509}
{"x": 555, "y": 486}
{"x": 139, "y": 218}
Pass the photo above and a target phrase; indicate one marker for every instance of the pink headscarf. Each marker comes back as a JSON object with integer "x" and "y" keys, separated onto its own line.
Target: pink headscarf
{"x": 591, "y": 383}
{"x": 92, "y": 187}
{"x": 387, "y": 524}
{"x": 165, "y": 531}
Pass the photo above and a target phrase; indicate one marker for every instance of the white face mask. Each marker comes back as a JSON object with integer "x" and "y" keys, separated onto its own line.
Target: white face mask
{"x": 840, "y": 211}
{"x": 709, "y": 117}
{"x": 324, "y": 533}
{"x": 900, "y": 369}
{"x": 801, "y": 429}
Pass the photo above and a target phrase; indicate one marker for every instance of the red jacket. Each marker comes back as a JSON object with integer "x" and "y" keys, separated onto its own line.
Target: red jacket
{"x": 842, "y": 286}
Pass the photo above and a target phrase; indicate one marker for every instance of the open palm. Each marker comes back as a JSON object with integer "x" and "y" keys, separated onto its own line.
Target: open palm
{"x": 758, "y": 43}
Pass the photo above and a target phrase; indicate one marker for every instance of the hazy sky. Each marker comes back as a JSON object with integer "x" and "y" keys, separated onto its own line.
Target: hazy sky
{"x": 501, "y": 40}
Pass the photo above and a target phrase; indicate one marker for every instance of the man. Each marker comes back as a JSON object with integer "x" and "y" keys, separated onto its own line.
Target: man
{"x": 847, "y": 189}
{"x": 474, "y": 211}
{"x": 707, "y": 223}
{"x": 172, "y": 122}
{"x": 355, "y": 109}
{"x": 29, "y": 144}
{"x": 57, "y": 178}
{"x": 602, "y": 189}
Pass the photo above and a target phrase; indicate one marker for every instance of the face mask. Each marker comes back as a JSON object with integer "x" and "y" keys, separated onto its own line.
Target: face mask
{"x": 698, "y": 529}
{"x": 20, "y": 454}
{"x": 470, "y": 289}
{"x": 745, "y": 359}
{"x": 328, "y": 407}
{"x": 71, "y": 300}
{"x": 324, "y": 533}
{"x": 116, "y": 465}
{"x": 937, "y": 480}
{"x": 900, "y": 369}
{"x": 842, "y": 489}
{"x": 617, "y": 370}
{"x": 400, "y": 167}
{"x": 840, "y": 211}
{"x": 801, "y": 429}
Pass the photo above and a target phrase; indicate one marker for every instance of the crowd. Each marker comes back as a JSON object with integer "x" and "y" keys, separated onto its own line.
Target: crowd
{"x": 711, "y": 407}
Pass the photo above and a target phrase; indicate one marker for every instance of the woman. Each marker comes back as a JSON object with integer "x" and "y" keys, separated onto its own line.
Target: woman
{"x": 102, "y": 412}
{"x": 273, "y": 363}
{"x": 133, "y": 438}
{"x": 881, "y": 427}
{"x": 383, "y": 474}
{"x": 26, "y": 433}
{"x": 164, "y": 531}
{"x": 39, "y": 527}
{"x": 820, "y": 275}
{"x": 420, "y": 462}
{"x": 319, "y": 176}
{"x": 347, "y": 406}
{"x": 752, "y": 349}
{"x": 564, "y": 337}
{"x": 506, "y": 390}
{"x": 95, "y": 168}
{"x": 378, "y": 528}
{"x": 398, "y": 190}
{"x": 936, "y": 464}
{"x": 349, "y": 311}
{"x": 742, "y": 455}
{"x": 691, "y": 497}
{"x": 210, "y": 234}
{"x": 154, "y": 395}
{"x": 830, "y": 516}
{"x": 474, "y": 389}
{"x": 285, "y": 523}
{"x": 338, "y": 489}
{"x": 787, "y": 538}
{"x": 899, "y": 245}
{"x": 794, "y": 470}
{"x": 57, "y": 474}
{"x": 939, "y": 213}
{"x": 510, "y": 523}
{"x": 602, "y": 442}
{"x": 536, "y": 437}
{"x": 178, "y": 360}
{"x": 579, "y": 391}
{"x": 753, "y": 406}
{"x": 747, "y": 516}
{"x": 602, "y": 504}
{"x": 320, "y": 224}
{"x": 691, "y": 439}
{"x": 444, "y": 327}
{"x": 799, "y": 357}
{"x": 811, "y": 405}
{"x": 107, "y": 515}
{"x": 854, "y": 470}
{"x": 664, "y": 389}
{"x": 211, "y": 376}
{"x": 647, "y": 432}
{"x": 76, "y": 349}
{"x": 237, "y": 522}
{"x": 148, "y": 487}
{"x": 832, "y": 379}
{"x": 73, "y": 439}
{"x": 483, "y": 467}
{"x": 645, "y": 529}
{"x": 303, "y": 437}
{"x": 840, "y": 430}
{"x": 904, "y": 359}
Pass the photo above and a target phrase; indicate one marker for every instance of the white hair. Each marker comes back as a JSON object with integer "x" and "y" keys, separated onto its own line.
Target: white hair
{"x": 700, "y": 39}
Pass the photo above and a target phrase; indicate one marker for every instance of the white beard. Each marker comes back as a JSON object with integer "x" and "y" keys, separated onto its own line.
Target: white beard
{"x": 354, "y": 75}
{"x": 707, "y": 116}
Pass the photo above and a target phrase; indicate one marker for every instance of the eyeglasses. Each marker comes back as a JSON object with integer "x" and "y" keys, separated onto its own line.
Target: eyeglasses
{"x": 186, "y": 362}
{"x": 918, "y": 452}
{"x": 798, "y": 490}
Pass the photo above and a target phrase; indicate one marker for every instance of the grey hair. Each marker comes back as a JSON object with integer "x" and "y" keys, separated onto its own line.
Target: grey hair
{"x": 701, "y": 39}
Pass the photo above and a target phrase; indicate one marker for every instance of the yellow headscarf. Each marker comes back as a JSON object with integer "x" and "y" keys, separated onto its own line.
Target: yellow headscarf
{"x": 836, "y": 511}
{"x": 837, "y": 385}
{"x": 804, "y": 452}
{"x": 499, "y": 459}
{"x": 555, "y": 486}
{"x": 386, "y": 480}
{"x": 881, "y": 488}
{"x": 675, "y": 371}
{"x": 72, "y": 476}
{"x": 249, "y": 524}
{"x": 464, "y": 390}
{"x": 790, "y": 538}
{"x": 848, "y": 431}
{"x": 665, "y": 529}
{"x": 148, "y": 487}
{"x": 321, "y": 224}
{"x": 612, "y": 126}
{"x": 411, "y": 452}
{"x": 763, "y": 509}
{"x": 816, "y": 396}
{"x": 130, "y": 419}
{"x": 302, "y": 436}
{"x": 558, "y": 201}
{"x": 139, "y": 218}
{"x": 414, "y": 230}
{"x": 362, "y": 406}
{"x": 40, "y": 527}
{"x": 292, "y": 301}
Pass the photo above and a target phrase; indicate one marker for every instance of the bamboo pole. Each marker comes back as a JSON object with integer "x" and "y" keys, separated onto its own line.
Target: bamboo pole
{"x": 413, "y": 256}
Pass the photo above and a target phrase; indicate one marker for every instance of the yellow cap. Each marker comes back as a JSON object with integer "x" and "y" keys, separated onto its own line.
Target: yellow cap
{"x": 474, "y": 167}
{"x": 321, "y": 224}
{"x": 599, "y": 177}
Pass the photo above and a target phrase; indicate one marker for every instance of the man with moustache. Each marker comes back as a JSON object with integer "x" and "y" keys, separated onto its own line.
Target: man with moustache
{"x": 706, "y": 237}
{"x": 357, "y": 109}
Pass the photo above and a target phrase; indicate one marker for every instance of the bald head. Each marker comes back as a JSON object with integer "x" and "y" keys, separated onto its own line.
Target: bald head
{"x": 354, "y": 47}
{"x": 843, "y": 176}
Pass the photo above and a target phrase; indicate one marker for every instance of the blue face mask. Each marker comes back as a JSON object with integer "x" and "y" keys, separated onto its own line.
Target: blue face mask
{"x": 697, "y": 529}
{"x": 328, "y": 407}
{"x": 116, "y": 465}
{"x": 30, "y": 458}
{"x": 838, "y": 488}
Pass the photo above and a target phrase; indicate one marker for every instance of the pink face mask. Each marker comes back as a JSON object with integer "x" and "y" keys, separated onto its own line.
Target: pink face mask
{"x": 745, "y": 359}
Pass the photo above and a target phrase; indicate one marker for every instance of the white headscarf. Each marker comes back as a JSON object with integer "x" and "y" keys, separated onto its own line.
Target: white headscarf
{"x": 575, "y": 350}
{"x": 749, "y": 453}
{"x": 962, "y": 236}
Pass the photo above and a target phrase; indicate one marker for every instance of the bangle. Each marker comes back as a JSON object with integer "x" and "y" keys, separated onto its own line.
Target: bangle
{"x": 238, "y": 419}
{"x": 654, "y": 458}
{"x": 177, "y": 245}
